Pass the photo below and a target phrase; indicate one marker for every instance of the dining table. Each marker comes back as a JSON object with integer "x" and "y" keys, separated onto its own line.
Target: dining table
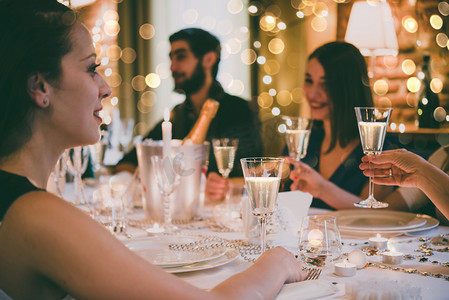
{"x": 422, "y": 272}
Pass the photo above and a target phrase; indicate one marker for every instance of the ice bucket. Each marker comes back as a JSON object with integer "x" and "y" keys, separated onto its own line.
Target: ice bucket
{"x": 186, "y": 198}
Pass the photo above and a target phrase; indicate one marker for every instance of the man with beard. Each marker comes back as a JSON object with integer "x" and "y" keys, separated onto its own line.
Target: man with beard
{"x": 195, "y": 55}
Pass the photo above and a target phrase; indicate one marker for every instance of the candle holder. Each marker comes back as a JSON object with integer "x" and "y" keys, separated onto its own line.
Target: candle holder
{"x": 378, "y": 242}
{"x": 392, "y": 258}
{"x": 345, "y": 269}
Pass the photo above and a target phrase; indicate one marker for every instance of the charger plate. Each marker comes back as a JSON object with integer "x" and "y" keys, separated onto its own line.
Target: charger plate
{"x": 382, "y": 221}
{"x": 156, "y": 250}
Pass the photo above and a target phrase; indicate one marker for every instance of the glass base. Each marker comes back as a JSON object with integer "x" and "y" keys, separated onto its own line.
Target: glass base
{"x": 371, "y": 203}
{"x": 170, "y": 228}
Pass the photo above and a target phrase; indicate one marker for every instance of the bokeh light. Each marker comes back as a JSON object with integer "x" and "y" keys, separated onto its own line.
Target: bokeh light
{"x": 276, "y": 46}
{"x": 153, "y": 80}
{"x": 408, "y": 66}
{"x": 138, "y": 83}
{"x": 436, "y": 85}
{"x": 235, "y": 6}
{"x": 113, "y": 52}
{"x": 248, "y": 56}
{"x": 190, "y": 16}
{"x": 146, "y": 31}
{"x": 265, "y": 100}
{"x": 436, "y": 22}
{"x": 443, "y": 8}
{"x": 319, "y": 24}
{"x": 128, "y": 55}
{"x": 267, "y": 79}
{"x": 275, "y": 111}
{"x": 442, "y": 39}
{"x": 413, "y": 84}
{"x": 272, "y": 67}
{"x": 410, "y": 24}
{"x": 380, "y": 87}
{"x": 284, "y": 98}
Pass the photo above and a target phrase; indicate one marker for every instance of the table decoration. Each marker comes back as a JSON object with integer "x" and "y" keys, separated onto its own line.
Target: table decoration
{"x": 155, "y": 230}
{"x": 378, "y": 242}
{"x": 358, "y": 258}
{"x": 392, "y": 257}
{"x": 345, "y": 269}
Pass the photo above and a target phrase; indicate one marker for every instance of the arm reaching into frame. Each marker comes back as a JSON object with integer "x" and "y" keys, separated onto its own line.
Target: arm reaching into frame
{"x": 403, "y": 168}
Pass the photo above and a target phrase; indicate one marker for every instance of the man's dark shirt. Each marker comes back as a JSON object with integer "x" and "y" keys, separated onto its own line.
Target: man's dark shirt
{"x": 234, "y": 119}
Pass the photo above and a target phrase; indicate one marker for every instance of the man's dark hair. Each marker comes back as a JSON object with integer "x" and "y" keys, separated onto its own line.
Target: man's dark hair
{"x": 200, "y": 42}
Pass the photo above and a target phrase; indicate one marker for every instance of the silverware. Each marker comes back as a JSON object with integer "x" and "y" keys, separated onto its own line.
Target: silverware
{"x": 313, "y": 274}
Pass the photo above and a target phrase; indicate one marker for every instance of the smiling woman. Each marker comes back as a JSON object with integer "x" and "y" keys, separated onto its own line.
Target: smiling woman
{"x": 336, "y": 81}
{"x": 51, "y": 96}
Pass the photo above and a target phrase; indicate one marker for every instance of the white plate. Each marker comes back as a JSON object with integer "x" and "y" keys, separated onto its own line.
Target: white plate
{"x": 228, "y": 256}
{"x": 156, "y": 250}
{"x": 382, "y": 221}
{"x": 309, "y": 289}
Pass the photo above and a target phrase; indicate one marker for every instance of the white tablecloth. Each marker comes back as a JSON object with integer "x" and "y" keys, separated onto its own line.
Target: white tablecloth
{"x": 431, "y": 288}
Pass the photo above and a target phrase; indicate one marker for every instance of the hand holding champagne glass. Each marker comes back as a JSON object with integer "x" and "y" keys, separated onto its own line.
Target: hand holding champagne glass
{"x": 262, "y": 178}
{"x": 297, "y": 134}
{"x": 373, "y": 123}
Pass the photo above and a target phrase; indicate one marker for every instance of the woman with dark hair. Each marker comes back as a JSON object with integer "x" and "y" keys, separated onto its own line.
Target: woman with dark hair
{"x": 336, "y": 81}
{"x": 51, "y": 98}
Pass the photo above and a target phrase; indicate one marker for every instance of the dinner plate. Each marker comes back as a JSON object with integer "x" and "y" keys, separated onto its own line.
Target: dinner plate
{"x": 229, "y": 255}
{"x": 382, "y": 221}
{"x": 156, "y": 250}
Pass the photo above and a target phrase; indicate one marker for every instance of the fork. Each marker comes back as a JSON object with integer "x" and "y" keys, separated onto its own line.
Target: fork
{"x": 313, "y": 274}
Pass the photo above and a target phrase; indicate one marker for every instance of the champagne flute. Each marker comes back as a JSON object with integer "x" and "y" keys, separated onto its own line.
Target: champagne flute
{"x": 297, "y": 134}
{"x": 126, "y": 133}
{"x": 319, "y": 240}
{"x": 59, "y": 173}
{"x": 373, "y": 123}
{"x": 77, "y": 165}
{"x": 167, "y": 180}
{"x": 224, "y": 151}
{"x": 262, "y": 178}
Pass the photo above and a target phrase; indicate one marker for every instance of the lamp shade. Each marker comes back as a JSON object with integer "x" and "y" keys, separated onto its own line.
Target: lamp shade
{"x": 371, "y": 28}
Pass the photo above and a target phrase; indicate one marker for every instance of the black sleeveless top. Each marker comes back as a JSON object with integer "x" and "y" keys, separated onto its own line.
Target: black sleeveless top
{"x": 12, "y": 186}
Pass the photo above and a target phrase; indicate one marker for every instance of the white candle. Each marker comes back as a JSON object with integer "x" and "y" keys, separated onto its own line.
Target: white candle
{"x": 378, "y": 242}
{"x": 392, "y": 258}
{"x": 166, "y": 134}
{"x": 345, "y": 269}
{"x": 358, "y": 258}
{"x": 155, "y": 230}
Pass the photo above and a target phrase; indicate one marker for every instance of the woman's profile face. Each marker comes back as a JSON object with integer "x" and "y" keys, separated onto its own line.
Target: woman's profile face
{"x": 315, "y": 90}
{"x": 76, "y": 98}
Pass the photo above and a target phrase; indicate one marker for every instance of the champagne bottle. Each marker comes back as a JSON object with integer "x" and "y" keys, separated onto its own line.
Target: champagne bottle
{"x": 428, "y": 100}
{"x": 199, "y": 131}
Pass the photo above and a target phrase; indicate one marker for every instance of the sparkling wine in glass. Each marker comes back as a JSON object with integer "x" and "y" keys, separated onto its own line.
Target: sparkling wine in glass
{"x": 297, "y": 134}
{"x": 167, "y": 180}
{"x": 262, "y": 178}
{"x": 373, "y": 123}
{"x": 224, "y": 151}
{"x": 319, "y": 240}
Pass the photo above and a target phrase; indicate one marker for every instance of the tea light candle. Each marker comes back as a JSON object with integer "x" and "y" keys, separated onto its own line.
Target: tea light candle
{"x": 358, "y": 258}
{"x": 378, "y": 242}
{"x": 392, "y": 258}
{"x": 166, "y": 134}
{"x": 345, "y": 269}
{"x": 155, "y": 230}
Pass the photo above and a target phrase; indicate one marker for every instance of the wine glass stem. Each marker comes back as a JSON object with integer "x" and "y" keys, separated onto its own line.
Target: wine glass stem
{"x": 371, "y": 183}
{"x": 262, "y": 233}
{"x": 167, "y": 216}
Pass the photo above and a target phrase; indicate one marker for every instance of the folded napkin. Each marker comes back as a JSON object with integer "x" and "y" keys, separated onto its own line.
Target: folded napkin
{"x": 293, "y": 206}
{"x": 310, "y": 289}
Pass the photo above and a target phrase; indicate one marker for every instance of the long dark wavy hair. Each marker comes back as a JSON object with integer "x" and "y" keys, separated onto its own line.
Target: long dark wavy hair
{"x": 34, "y": 36}
{"x": 347, "y": 86}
